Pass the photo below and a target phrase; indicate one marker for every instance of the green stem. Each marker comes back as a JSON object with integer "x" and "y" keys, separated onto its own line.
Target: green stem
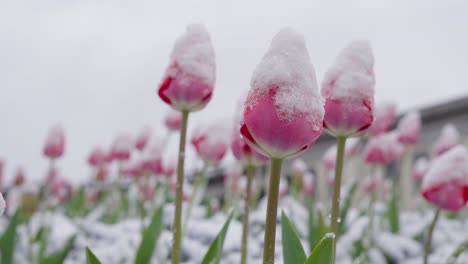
{"x": 427, "y": 244}
{"x": 460, "y": 249}
{"x": 29, "y": 235}
{"x": 272, "y": 208}
{"x": 245, "y": 228}
{"x": 337, "y": 186}
{"x": 177, "y": 228}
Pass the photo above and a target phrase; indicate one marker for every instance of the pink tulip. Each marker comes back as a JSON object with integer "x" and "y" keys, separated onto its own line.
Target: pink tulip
{"x": 243, "y": 152}
{"x": 168, "y": 167}
{"x": 351, "y": 150}
{"x": 211, "y": 143}
{"x": 420, "y": 168}
{"x": 97, "y": 157}
{"x": 152, "y": 160}
{"x": 131, "y": 168}
{"x": 55, "y": 143}
{"x": 445, "y": 185}
{"x": 371, "y": 182}
{"x": 283, "y": 113}
{"x": 173, "y": 120}
{"x": 383, "y": 149}
{"x": 385, "y": 114}
{"x": 348, "y": 89}
{"x": 449, "y": 138}
{"x": 121, "y": 148}
{"x": 143, "y": 138}
{"x": 189, "y": 80}
{"x": 409, "y": 128}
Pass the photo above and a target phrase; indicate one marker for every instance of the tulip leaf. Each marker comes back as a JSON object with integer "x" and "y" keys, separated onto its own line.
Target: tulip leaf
{"x": 59, "y": 256}
{"x": 150, "y": 237}
{"x": 317, "y": 227}
{"x": 8, "y": 239}
{"x": 324, "y": 252}
{"x": 91, "y": 258}
{"x": 393, "y": 212}
{"x": 344, "y": 209}
{"x": 215, "y": 251}
{"x": 293, "y": 252}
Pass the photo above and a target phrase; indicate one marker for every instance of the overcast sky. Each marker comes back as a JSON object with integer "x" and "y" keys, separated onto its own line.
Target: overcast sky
{"x": 94, "y": 66}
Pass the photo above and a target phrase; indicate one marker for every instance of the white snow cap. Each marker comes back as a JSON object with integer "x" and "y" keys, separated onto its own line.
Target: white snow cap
{"x": 55, "y": 136}
{"x": 194, "y": 54}
{"x": 2, "y": 204}
{"x": 352, "y": 74}
{"x": 449, "y": 136}
{"x": 452, "y": 166}
{"x": 287, "y": 66}
{"x": 410, "y": 123}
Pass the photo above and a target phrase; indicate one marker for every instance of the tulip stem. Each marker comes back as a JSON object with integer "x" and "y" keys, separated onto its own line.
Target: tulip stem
{"x": 272, "y": 209}
{"x": 427, "y": 244}
{"x": 177, "y": 228}
{"x": 245, "y": 228}
{"x": 337, "y": 186}
{"x": 460, "y": 249}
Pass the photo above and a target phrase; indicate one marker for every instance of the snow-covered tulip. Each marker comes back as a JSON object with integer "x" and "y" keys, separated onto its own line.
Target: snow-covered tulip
{"x": 385, "y": 114}
{"x": 122, "y": 147}
{"x": 383, "y": 149}
{"x": 189, "y": 80}
{"x": 97, "y": 157}
{"x": 283, "y": 114}
{"x": 142, "y": 140}
{"x": 448, "y": 138}
{"x": 420, "y": 168}
{"x": 131, "y": 168}
{"x": 243, "y": 152}
{"x": 211, "y": 143}
{"x": 2, "y": 204}
{"x": 55, "y": 143}
{"x": 348, "y": 89}
{"x": 445, "y": 184}
{"x": 308, "y": 185}
{"x": 409, "y": 128}
{"x": 351, "y": 150}
{"x": 173, "y": 120}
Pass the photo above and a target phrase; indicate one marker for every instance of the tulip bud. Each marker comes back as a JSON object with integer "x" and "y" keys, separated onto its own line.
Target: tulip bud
{"x": 420, "y": 168}
{"x": 384, "y": 118}
{"x": 97, "y": 157}
{"x": 143, "y": 138}
{"x": 283, "y": 113}
{"x": 445, "y": 185}
{"x": 121, "y": 148}
{"x": 55, "y": 143}
{"x": 449, "y": 137}
{"x": 173, "y": 120}
{"x": 409, "y": 128}
{"x": 211, "y": 143}
{"x": 383, "y": 149}
{"x": 189, "y": 80}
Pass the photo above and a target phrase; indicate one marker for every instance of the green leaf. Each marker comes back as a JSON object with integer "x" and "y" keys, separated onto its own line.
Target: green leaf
{"x": 149, "y": 238}
{"x": 324, "y": 252}
{"x": 59, "y": 256}
{"x": 7, "y": 240}
{"x": 215, "y": 251}
{"x": 317, "y": 228}
{"x": 293, "y": 252}
{"x": 91, "y": 258}
{"x": 393, "y": 211}
{"x": 345, "y": 207}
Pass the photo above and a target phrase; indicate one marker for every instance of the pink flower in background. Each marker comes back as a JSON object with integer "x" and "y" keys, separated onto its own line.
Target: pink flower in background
{"x": 283, "y": 114}
{"x": 147, "y": 190}
{"x": 151, "y": 160}
{"x": 445, "y": 185}
{"x": 122, "y": 147}
{"x": 168, "y": 167}
{"x": 351, "y": 150}
{"x": 383, "y": 149}
{"x": 243, "y": 152}
{"x": 449, "y": 138}
{"x": 97, "y": 157}
{"x": 409, "y": 128}
{"x": 189, "y": 80}
{"x": 173, "y": 120}
{"x": 371, "y": 182}
{"x": 348, "y": 89}
{"x": 283, "y": 188}
{"x": 298, "y": 168}
{"x": 420, "y": 168}
{"x": 232, "y": 175}
{"x": 308, "y": 186}
{"x": 19, "y": 177}
{"x": 211, "y": 143}
{"x": 385, "y": 114}
{"x": 55, "y": 143}
{"x": 143, "y": 138}
{"x": 131, "y": 168}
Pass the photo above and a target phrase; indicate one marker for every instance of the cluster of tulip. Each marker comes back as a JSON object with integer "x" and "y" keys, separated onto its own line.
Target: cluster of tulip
{"x": 283, "y": 115}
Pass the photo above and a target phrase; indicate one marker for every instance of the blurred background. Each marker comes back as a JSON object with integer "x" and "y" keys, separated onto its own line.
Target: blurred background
{"x": 94, "y": 66}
